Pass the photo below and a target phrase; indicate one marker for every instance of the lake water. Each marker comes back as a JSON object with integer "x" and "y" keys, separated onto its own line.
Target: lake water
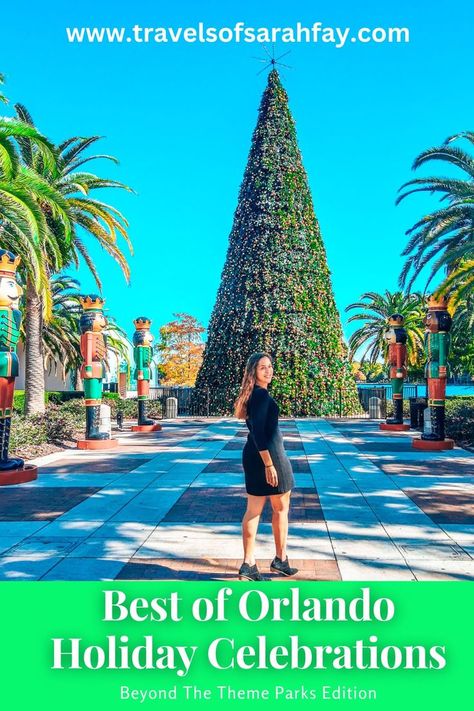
{"x": 459, "y": 390}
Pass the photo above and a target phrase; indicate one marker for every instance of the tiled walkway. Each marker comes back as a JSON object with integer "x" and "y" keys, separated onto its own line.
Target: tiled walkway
{"x": 169, "y": 505}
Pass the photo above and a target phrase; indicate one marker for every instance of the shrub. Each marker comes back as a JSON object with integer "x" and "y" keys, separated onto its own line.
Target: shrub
{"x": 61, "y": 423}
{"x": 406, "y": 408}
{"x": 19, "y": 401}
{"x": 27, "y": 432}
{"x": 77, "y": 408}
{"x": 58, "y": 424}
{"x": 460, "y": 420}
{"x": 53, "y": 396}
{"x": 129, "y": 407}
{"x": 58, "y": 397}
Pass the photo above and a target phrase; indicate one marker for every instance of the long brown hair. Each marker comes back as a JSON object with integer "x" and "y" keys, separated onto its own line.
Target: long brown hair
{"x": 248, "y": 382}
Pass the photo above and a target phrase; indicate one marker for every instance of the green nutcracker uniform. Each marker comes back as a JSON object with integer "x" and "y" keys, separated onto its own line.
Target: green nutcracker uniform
{"x": 143, "y": 356}
{"x": 437, "y": 350}
{"x": 437, "y": 341}
{"x": 10, "y": 321}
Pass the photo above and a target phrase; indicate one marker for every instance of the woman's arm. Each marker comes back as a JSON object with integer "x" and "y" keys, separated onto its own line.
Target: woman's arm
{"x": 258, "y": 417}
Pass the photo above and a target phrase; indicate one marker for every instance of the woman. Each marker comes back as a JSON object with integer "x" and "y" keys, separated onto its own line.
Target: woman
{"x": 267, "y": 468}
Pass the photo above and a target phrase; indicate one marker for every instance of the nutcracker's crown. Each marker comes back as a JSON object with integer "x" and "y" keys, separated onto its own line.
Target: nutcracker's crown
{"x": 142, "y": 323}
{"x": 396, "y": 320}
{"x": 8, "y": 263}
{"x": 92, "y": 302}
{"x": 438, "y": 303}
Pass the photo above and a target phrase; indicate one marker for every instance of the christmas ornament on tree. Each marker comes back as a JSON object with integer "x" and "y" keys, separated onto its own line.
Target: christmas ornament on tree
{"x": 275, "y": 293}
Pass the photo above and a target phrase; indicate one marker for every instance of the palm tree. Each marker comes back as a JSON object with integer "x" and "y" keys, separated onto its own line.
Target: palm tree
{"x": 461, "y": 357}
{"x": 463, "y": 317}
{"x": 26, "y": 199}
{"x": 3, "y": 98}
{"x": 375, "y": 310}
{"x": 444, "y": 238}
{"x": 87, "y": 216}
{"x": 62, "y": 333}
{"x": 23, "y": 227}
{"x": 459, "y": 283}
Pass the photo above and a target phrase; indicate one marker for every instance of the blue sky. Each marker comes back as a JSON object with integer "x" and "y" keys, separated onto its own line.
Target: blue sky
{"x": 180, "y": 119}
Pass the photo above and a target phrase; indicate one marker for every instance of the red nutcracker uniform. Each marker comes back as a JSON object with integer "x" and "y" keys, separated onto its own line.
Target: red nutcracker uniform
{"x": 94, "y": 353}
{"x": 397, "y": 358}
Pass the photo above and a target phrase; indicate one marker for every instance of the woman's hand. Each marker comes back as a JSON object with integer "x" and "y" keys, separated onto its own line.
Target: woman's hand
{"x": 271, "y": 476}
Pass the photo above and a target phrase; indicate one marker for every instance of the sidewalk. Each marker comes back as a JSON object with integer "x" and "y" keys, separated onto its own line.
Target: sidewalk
{"x": 169, "y": 505}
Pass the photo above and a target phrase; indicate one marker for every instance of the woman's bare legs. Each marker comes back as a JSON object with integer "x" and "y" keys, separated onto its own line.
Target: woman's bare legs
{"x": 250, "y": 521}
{"x": 280, "y": 506}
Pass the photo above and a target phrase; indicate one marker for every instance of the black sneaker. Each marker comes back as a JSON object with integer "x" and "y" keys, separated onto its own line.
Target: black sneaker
{"x": 282, "y": 566}
{"x": 250, "y": 572}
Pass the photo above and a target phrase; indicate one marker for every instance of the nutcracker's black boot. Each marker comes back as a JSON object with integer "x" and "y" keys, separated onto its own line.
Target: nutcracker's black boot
{"x": 397, "y": 418}
{"x": 7, "y": 464}
{"x": 142, "y": 418}
{"x": 93, "y": 422}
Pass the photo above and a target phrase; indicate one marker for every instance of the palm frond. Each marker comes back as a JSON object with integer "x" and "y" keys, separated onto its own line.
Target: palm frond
{"x": 455, "y": 156}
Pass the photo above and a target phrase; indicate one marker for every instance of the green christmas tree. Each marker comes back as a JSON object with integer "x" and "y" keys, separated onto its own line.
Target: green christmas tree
{"x": 275, "y": 293}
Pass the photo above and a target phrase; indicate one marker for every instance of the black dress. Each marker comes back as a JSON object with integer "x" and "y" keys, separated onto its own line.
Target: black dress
{"x": 264, "y": 433}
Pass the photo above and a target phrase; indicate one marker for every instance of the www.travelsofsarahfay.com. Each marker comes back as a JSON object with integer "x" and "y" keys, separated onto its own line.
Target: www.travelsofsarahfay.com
{"x": 315, "y": 33}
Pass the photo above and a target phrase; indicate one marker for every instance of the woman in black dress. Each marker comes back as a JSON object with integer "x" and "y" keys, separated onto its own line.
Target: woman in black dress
{"x": 267, "y": 468}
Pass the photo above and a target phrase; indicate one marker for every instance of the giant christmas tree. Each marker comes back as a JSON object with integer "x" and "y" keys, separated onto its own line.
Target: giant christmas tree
{"x": 275, "y": 293}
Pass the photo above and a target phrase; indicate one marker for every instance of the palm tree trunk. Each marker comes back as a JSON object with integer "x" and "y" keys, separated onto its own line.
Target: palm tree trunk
{"x": 34, "y": 365}
{"x": 77, "y": 380}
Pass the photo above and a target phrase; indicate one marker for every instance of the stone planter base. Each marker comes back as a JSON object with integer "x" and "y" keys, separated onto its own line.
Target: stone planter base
{"x": 19, "y": 476}
{"x": 428, "y": 446}
{"x": 97, "y": 443}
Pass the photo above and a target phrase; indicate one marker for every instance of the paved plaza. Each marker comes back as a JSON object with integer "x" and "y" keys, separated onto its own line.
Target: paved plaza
{"x": 168, "y": 506}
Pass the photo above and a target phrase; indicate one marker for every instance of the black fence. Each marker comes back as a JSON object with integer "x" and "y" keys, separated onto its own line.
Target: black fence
{"x": 372, "y": 402}
{"x": 183, "y": 396}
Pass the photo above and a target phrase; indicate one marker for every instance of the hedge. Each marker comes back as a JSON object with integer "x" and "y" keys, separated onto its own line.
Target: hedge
{"x": 129, "y": 407}
{"x": 53, "y": 396}
{"x": 460, "y": 420}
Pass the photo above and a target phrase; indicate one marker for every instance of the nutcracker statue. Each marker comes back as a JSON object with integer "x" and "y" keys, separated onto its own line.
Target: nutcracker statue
{"x": 397, "y": 358}
{"x": 12, "y": 470}
{"x": 438, "y": 324}
{"x": 94, "y": 353}
{"x": 143, "y": 355}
